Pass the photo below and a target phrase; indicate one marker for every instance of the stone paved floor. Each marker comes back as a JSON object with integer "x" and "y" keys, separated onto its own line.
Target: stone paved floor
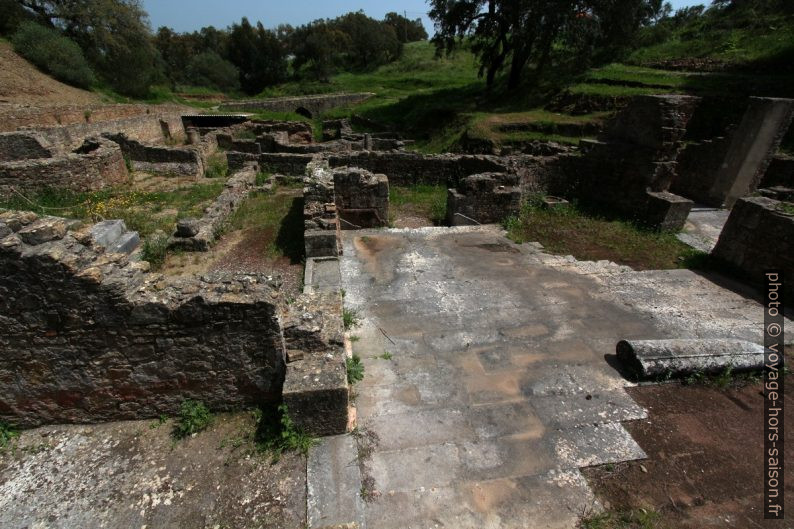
{"x": 500, "y": 385}
{"x": 703, "y": 227}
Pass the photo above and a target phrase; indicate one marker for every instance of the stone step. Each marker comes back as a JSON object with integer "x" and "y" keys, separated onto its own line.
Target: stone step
{"x": 127, "y": 243}
{"x": 334, "y": 484}
{"x": 106, "y": 233}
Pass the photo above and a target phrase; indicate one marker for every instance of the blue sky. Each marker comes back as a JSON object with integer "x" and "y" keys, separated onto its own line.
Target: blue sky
{"x": 192, "y": 15}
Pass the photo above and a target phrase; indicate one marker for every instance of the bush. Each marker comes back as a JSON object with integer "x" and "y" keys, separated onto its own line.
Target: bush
{"x": 193, "y": 417}
{"x": 53, "y": 53}
{"x": 211, "y": 70}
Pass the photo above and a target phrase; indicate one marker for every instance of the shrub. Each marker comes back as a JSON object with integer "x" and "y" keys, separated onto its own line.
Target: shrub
{"x": 355, "y": 370}
{"x": 53, "y": 53}
{"x": 193, "y": 417}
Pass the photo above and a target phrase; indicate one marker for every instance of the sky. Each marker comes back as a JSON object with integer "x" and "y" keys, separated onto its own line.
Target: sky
{"x": 194, "y": 14}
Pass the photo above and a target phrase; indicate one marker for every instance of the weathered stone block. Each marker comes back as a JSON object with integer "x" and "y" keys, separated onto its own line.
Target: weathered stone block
{"x": 666, "y": 211}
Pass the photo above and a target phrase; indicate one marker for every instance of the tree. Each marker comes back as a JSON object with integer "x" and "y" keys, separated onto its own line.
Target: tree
{"x": 405, "y": 29}
{"x": 114, "y": 35}
{"x": 517, "y": 33}
{"x": 258, "y": 54}
{"x": 319, "y": 48}
{"x": 211, "y": 70}
{"x": 372, "y": 43}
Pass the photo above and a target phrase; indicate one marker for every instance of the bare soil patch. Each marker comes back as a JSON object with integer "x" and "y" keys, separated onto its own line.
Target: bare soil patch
{"x": 134, "y": 474}
{"x": 705, "y": 459}
{"x": 23, "y": 83}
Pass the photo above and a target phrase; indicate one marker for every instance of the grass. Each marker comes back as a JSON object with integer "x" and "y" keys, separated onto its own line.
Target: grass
{"x": 276, "y": 433}
{"x": 350, "y": 318}
{"x": 586, "y": 236}
{"x": 155, "y": 250}
{"x": 194, "y": 417}
{"x": 217, "y": 166}
{"x": 355, "y": 370}
{"x": 7, "y": 434}
{"x": 728, "y": 378}
{"x": 422, "y": 200}
{"x": 144, "y": 212}
{"x": 632, "y": 519}
{"x": 786, "y": 207}
{"x": 279, "y": 217}
{"x": 386, "y": 356}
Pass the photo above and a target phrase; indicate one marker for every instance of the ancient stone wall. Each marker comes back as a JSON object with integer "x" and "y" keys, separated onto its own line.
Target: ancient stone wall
{"x": 287, "y": 164}
{"x": 718, "y": 171}
{"x": 758, "y": 237}
{"x": 630, "y": 169}
{"x": 483, "y": 199}
{"x": 152, "y": 127}
{"x": 315, "y": 387}
{"x": 16, "y": 146}
{"x": 98, "y": 164}
{"x": 312, "y": 104}
{"x": 361, "y": 198}
{"x": 197, "y": 235}
{"x": 187, "y": 161}
{"x": 320, "y": 219}
{"x": 405, "y": 169}
{"x": 87, "y": 336}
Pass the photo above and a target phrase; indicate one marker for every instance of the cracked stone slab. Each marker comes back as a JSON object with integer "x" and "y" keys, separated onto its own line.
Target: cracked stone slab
{"x": 334, "y": 484}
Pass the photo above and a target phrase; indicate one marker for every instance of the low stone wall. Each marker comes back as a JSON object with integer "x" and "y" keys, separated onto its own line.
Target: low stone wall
{"x": 286, "y": 164}
{"x": 315, "y": 387}
{"x": 320, "y": 219}
{"x": 87, "y": 336}
{"x": 484, "y": 198}
{"x": 98, "y": 164}
{"x": 311, "y": 105}
{"x": 361, "y": 198}
{"x": 405, "y": 169}
{"x": 18, "y": 146}
{"x": 759, "y": 237}
{"x": 197, "y": 235}
{"x": 183, "y": 161}
{"x": 144, "y": 124}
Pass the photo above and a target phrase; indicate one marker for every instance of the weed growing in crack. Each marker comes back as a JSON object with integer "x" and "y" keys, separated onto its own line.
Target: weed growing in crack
{"x": 385, "y": 356}
{"x": 276, "y": 433}
{"x": 350, "y": 318}
{"x": 355, "y": 370}
{"x": 194, "y": 417}
{"x": 7, "y": 434}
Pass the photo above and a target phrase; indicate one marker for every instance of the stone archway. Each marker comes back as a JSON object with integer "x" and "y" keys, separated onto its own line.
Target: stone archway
{"x": 305, "y": 112}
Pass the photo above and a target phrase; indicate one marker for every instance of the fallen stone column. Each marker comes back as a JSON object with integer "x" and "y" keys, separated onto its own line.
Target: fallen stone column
{"x": 653, "y": 358}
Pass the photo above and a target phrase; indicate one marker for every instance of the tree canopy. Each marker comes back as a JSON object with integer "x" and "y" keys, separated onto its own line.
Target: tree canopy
{"x": 515, "y": 34}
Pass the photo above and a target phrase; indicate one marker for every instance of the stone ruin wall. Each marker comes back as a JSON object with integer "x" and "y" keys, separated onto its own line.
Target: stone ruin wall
{"x": 198, "y": 235}
{"x": 69, "y": 126}
{"x": 88, "y": 336}
{"x": 759, "y": 237}
{"x": 483, "y": 199}
{"x": 315, "y": 104}
{"x": 96, "y": 165}
{"x": 719, "y": 170}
